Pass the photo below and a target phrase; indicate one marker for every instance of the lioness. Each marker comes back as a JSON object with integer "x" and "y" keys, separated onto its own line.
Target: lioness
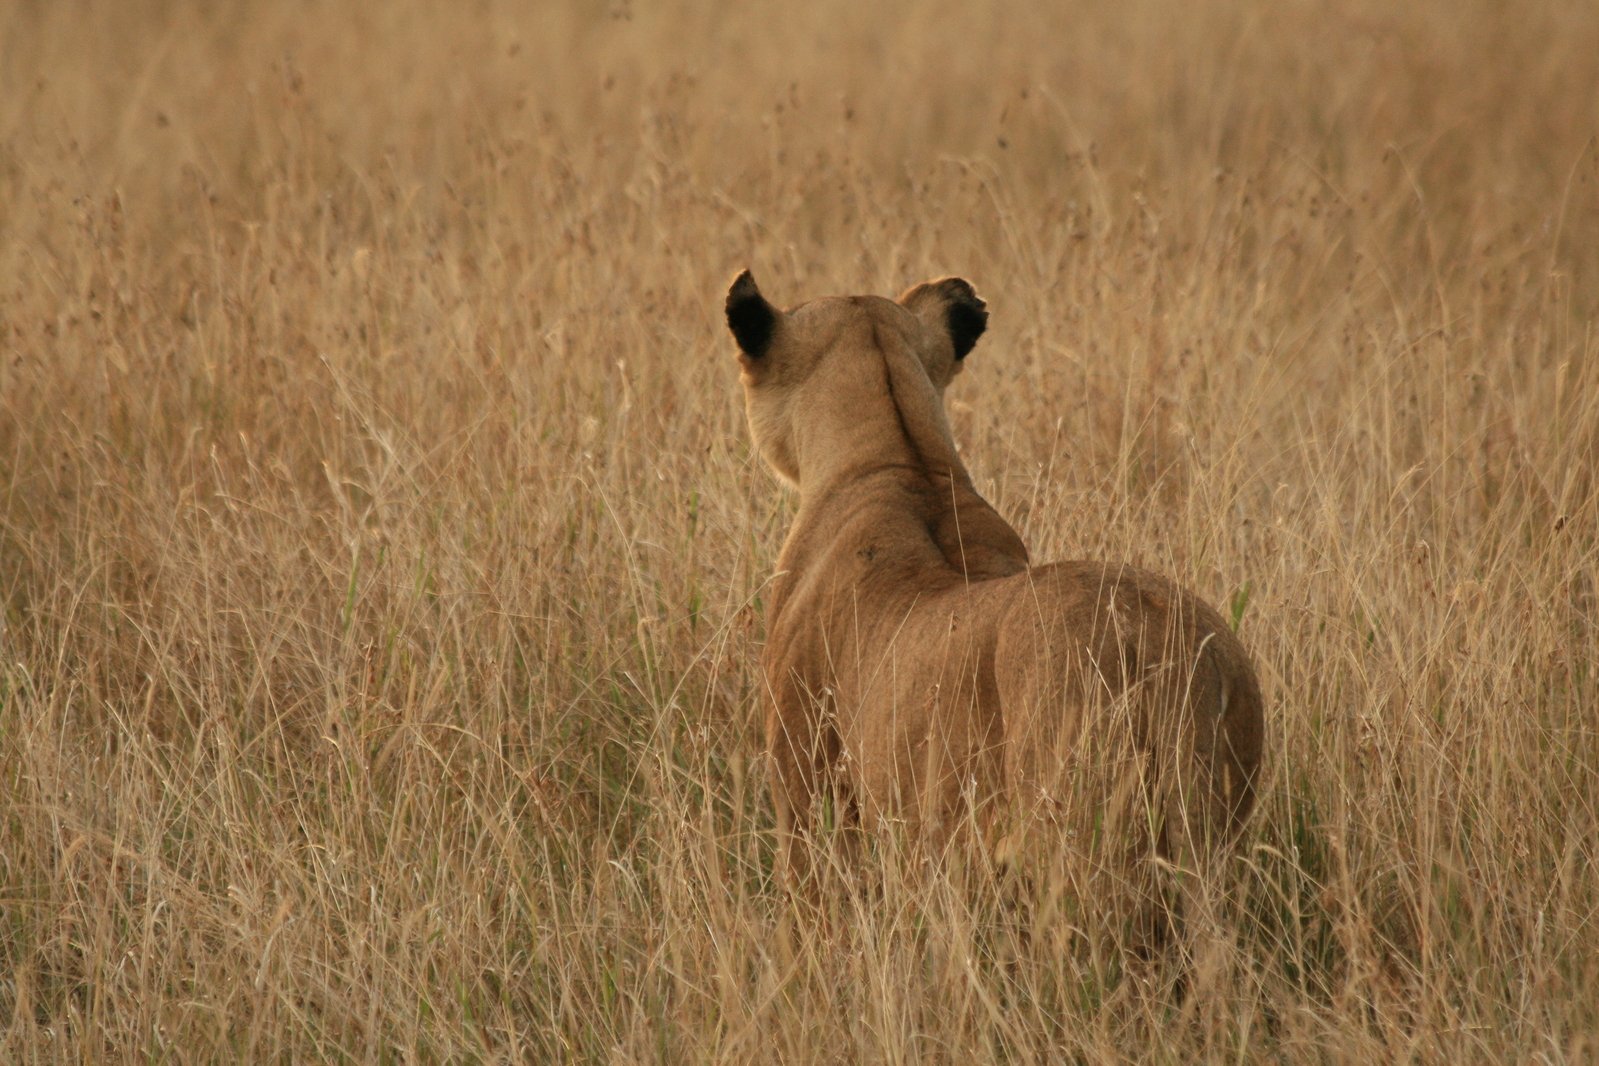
{"x": 919, "y": 668}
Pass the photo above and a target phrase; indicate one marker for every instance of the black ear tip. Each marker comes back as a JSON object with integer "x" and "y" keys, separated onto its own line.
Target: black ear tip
{"x": 960, "y": 290}
{"x": 743, "y": 288}
{"x": 967, "y": 315}
{"x": 749, "y": 316}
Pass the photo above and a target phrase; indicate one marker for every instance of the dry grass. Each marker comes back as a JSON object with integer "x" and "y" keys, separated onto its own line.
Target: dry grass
{"x": 382, "y": 553}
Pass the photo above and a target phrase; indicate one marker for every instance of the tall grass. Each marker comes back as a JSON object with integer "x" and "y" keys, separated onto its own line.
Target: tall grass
{"x": 382, "y": 555}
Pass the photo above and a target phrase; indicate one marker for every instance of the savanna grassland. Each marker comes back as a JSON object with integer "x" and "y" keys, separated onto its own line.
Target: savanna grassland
{"x": 382, "y": 554}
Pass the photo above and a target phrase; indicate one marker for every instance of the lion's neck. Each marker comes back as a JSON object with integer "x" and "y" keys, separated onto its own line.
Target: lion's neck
{"x": 975, "y": 540}
{"x": 907, "y": 516}
{"x": 886, "y": 474}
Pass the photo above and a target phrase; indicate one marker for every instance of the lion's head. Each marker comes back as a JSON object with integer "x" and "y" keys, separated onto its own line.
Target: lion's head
{"x": 837, "y": 379}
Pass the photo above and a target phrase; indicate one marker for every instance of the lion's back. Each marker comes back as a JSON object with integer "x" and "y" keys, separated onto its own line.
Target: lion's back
{"x": 1088, "y": 654}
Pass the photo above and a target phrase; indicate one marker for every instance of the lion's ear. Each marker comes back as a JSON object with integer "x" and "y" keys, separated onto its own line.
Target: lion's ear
{"x": 750, "y": 317}
{"x": 953, "y": 305}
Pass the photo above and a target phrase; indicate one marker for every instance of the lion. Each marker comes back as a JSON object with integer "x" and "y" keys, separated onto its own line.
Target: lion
{"x": 919, "y": 669}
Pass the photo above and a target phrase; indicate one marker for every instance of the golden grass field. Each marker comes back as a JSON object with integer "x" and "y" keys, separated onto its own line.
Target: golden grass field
{"x": 382, "y": 551}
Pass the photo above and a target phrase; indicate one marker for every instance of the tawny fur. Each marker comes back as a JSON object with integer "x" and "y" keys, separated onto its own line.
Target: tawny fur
{"x": 918, "y": 667}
